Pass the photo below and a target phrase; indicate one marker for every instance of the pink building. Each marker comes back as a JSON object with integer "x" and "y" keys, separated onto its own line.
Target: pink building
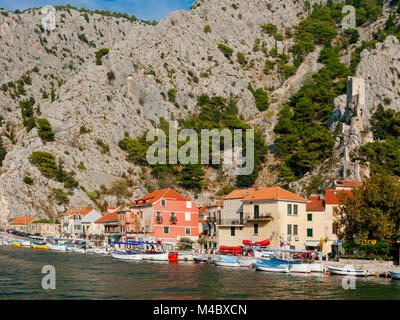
{"x": 166, "y": 216}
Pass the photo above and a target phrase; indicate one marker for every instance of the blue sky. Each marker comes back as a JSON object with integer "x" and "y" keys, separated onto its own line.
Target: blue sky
{"x": 143, "y": 9}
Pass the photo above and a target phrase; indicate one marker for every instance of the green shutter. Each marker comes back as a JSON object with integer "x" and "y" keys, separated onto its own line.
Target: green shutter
{"x": 309, "y": 232}
{"x": 309, "y": 217}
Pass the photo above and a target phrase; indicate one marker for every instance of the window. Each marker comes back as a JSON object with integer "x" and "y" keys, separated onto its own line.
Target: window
{"x": 188, "y": 204}
{"x": 162, "y": 203}
{"x": 241, "y": 217}
{"x": 289, "y": 209}
{"x": 295, "y": 229}
{"x": 187, "y": 216}
{"x": 187, "y": 231}
{"x": 256, "y": 212}
{"x": 295, "y": 209}
{"x": 309, "y": 216}
{"x": 333, "y": 229}
{"x": 232, "y": 231}
{"x": 166, "y": 230}
{"x": 289, "y": 229}
{"x": 255, "y": 228}
{"x": 309, "y": 233}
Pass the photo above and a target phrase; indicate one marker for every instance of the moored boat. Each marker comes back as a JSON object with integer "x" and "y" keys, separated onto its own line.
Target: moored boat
{"x": 79, "y": 249}
{"x": 348, "y": 272}
{"x": 225, "y": 263}
{"x": 394, "y": 274}
{"x": 122, "y": 255}
{"x": 201, "y": 259}
{"x": 185, "y": 257}
{"x": 155, "y": 256}
{"x": 57, "y": 247}
{"x": 16, "y": 244}
{"x": 39, "y": 245}
{"x": 316, "y": 267}
{"x": 270, "y": 268}
{"x": 101, "y": 251}
{"x": 299, "y": 268}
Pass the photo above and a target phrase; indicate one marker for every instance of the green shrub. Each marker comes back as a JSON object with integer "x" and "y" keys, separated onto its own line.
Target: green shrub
{"x": 207, "y": 29}
{"x": 28, "y": 180}
{"x": 261, "y": 98}
{"x": 3, "y": 152}
{"x": 110, "y": 76}
{"x": 225, "y": 50}
{"x": 241, "y": 58}
{"x": 101, "y": 53}
{"x": 81, "y": 166}
{"x": 171, "y": 95}
{"x": 269, "y": 28}
{"x": 60, "y": 196}
{"x": 45, "y": 131}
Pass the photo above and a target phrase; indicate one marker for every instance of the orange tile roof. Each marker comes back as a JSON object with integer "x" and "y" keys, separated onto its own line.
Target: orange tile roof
{"x": 348, "y": 183}
{"x": 332, "y": 195}
{"x": 23, "y": 220}
{"x": 82, "y": 211}
{"x": 239, "y": 193}
{"x": 316, "y": 204}
{"x": 157, "y": 195}
{"x": 111, "y": 216}
{"x": 203, "y": 209}
{"x": 273, "y": 193}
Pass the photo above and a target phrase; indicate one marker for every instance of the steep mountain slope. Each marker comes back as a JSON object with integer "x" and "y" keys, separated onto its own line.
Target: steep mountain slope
{"x": 150, "y": 72}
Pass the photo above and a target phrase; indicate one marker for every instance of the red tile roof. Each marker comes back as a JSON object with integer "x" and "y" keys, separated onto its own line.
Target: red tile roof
{"x": 238, "y": 194}
{"x": 160, "y": 194}
{"x": 23, "y": 220}
{"x": 108, "y": 217}
{"x": 316, "y": 204}
{"x": 332, "y": 195}
{"x": 348, "y": 183}
{"x": 82, "y": 211}
{"x": 203, "y": 209}
{"x": 273, "y": 193}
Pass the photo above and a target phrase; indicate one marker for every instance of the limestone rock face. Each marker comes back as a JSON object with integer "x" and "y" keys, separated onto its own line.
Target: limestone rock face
{"x": 91, "y": 107}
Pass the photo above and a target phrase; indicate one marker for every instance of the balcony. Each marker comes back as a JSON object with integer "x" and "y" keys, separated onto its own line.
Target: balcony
{"x": 265, "y": 217}
{"x": 231, "y": 222}
{"x": 173, "y": 220}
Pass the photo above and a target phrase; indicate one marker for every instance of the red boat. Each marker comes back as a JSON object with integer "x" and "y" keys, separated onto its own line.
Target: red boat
{"x": 231, "y": 250}
{"x": 263, "y": 243}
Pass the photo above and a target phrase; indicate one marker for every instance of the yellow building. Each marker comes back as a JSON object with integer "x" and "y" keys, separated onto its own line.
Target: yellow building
{"x": 266, "y": 213}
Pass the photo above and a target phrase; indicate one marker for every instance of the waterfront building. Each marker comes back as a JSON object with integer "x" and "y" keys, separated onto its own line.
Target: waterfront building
{"x": 266, "y": 213}
{"x": 21, "y": 223}
{"x": 90, "y": 229}
{"x": 212, "y": 214}
{"x": 71, "y": 222}
{"x": 110, "y": 225}
{"x": 35, "y": 226}
{"x": 316, "y": 224}
{"x": 164, "y": 216}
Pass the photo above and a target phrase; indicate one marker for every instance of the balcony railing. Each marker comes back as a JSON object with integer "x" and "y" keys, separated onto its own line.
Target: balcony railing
{"x": 231, "y": 222}
{"x": 260, "y": 217}
{"x": 174, "y": 220}
{"x": 159, "y": 219}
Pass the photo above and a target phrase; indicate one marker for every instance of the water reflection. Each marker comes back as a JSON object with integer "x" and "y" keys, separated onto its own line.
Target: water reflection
{"x": 80, "y": 276}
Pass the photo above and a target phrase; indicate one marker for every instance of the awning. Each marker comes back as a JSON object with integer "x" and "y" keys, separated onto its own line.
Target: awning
{"x": 115, "y": 236}
{"x": 312, "y": 243}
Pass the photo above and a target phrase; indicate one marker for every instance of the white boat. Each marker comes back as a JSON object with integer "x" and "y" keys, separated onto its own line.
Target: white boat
{"x": 91, "y": 250}
{"x": 185, "y": 257}
{"x": 79, "y": 250}
{"x": 299, "y": 268}
{"x": 246, "y": 262}
{"x": 155, "y": 256}
{"x": 316, "y": 267}
{"x": 121, "y": 255}
{"x": 101, "y": 251}
{"x": 394, "y": 274}
{"x": 348, "y": 272}
{"x": 57, "y": 247}
{"x": 25, "y": 243}
{"x": 269, "y": 268}
{"x": 225, "y": 263}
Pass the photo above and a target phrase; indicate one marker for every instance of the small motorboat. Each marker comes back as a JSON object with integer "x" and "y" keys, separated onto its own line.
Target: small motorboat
{"x": 16, "y": 244}
{"x": 200, "y": 259}
{"x": 155, "y": 256}
{"x": 39, "y": 245}
{"x": 91, "y": 250}
{"x": 394, "y": 274}
{"x": 246, "y": 262}
{"x": 101, "y": 251}
{"x": 57, "y": 247}
{"x": 270, "y": 268}
{"x": 122, "y": 255}
{"x": 79, "y": 249}
{"x": 225, "y": 263}
{"x": 316, "y": 267}
{"x": 185, "y": 257}
{"x": 348, "y": 272}
{"x": 299, "y": 268}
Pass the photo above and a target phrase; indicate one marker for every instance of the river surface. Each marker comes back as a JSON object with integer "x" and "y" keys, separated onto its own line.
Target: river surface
{"x": 86, "y": 276}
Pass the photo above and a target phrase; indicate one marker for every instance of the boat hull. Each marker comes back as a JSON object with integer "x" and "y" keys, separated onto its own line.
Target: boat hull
{"x": 185, "y": 257}
{"x": 223, "y": 263}
{"x": 394, "y": 274}
{"x": 125, "y": 256}
{"x": 299, "y": 268}
{"x": 316, "y": 267}
{"x": 200, "y": 260}
{"x": 59, "y": 248}
{"x": 16, "y": 244}
{"x": 348, "y": 272}
{"x": 268, "y": 268}
{"x": 39, "y": 246}
{"x": 155, "y": 256}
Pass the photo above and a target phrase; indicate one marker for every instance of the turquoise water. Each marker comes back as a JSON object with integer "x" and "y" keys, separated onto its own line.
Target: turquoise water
{"x": 84, "y": 276}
